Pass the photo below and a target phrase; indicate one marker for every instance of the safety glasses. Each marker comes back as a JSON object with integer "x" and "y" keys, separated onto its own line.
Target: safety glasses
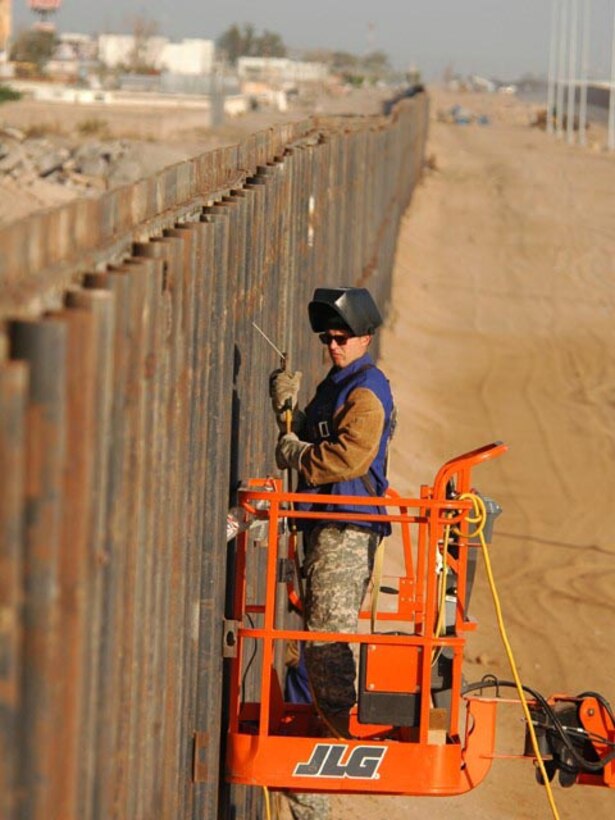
{"x": 329, "y": 338}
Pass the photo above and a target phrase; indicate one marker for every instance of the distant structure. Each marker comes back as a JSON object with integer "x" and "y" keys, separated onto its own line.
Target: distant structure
{"x": 280, "y": 70}
{"x": 5, "y": 25}
{"x": 115, "y": 50}
{"x": 188, "y": 57}
{"x": 45, "y": 10}
{"x": 371, "y": 37}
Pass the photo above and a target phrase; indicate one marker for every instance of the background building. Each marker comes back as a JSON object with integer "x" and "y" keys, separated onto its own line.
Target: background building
{"x": 115, "y": 50}
{"x": 188, "y": 57}
{"x": 280, "y": 70}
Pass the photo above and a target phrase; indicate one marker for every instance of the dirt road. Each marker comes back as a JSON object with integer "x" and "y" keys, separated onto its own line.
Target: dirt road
{"x": 503, "y": 328}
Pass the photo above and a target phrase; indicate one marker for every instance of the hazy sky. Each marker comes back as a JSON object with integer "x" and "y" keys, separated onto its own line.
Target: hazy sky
{"x": 504, "y": 38}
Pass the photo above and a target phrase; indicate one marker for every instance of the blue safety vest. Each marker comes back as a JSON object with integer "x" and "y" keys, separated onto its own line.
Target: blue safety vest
{"x": 331, "y": 394}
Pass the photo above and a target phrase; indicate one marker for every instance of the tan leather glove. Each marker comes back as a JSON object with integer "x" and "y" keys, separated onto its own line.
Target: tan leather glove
{"x": 289, "y": 451}
{"x": 284, "y": 389}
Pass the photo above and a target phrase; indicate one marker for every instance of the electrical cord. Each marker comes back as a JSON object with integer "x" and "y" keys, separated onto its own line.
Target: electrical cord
{"x": 267, "y": 803}
{"x": 480, "y": 519}
{"x": 250, "y": 661}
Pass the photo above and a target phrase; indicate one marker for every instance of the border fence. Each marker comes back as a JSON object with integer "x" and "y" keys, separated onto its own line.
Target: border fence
{"x": 133, "y": 401}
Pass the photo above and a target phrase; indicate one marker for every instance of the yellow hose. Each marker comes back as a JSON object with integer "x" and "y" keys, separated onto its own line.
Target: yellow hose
{"x": 267, "y": 803}
{"x": 480, "y": 521}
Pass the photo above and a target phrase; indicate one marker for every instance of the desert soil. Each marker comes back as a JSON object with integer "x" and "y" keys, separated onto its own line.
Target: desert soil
{"x": 502, "y": 329}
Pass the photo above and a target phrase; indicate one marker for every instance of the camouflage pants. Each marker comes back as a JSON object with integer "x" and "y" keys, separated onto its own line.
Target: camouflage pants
{"x": 306, "y": 806}
{"x": 338, "y": 565}
{"x": 339, "y": 559}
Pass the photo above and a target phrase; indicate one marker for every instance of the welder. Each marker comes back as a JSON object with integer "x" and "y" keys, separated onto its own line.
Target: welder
{"x": 338, "y": 447}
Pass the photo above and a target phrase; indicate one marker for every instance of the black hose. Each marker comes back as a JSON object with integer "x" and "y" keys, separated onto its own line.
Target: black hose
{"x": 250, "y": 661}
{"x": 587, "y": 765}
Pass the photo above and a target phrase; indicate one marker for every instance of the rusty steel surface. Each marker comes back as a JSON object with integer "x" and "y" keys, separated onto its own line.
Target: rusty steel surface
{"x": 133, "y": 403}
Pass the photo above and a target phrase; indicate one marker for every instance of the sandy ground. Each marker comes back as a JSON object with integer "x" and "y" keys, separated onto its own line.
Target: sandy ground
{"x": 503, "y": 329}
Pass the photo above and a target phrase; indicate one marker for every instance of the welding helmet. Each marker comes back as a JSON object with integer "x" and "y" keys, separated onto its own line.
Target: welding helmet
{"x": 349, "y": 309}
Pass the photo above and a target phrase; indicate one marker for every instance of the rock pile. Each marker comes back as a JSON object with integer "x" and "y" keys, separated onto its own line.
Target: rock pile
{"x": 85, "y": 167}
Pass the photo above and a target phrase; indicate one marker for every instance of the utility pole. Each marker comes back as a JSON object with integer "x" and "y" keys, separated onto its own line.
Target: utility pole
{"x": 584, "y": 72}
{"x": 572, "y": 70}
{"x": 551, "y": 81}
{"x": 561, "y": 69}
{"x": 371, "y": 38}
{"x": 611, "y": 134}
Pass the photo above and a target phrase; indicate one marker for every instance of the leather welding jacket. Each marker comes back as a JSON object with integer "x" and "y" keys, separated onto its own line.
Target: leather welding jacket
{"x": 348, "y": 424}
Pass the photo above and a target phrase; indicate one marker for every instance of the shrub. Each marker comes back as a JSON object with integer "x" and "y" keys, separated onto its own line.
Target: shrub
{"x": 37, "y": 130}
{"x": 93, "y": 126}
{"x": 8, "y": 94}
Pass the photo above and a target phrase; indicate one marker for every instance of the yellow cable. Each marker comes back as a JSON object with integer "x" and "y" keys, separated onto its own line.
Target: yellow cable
{"x": 480, "y": 510}
{"x": 267, "y": 803}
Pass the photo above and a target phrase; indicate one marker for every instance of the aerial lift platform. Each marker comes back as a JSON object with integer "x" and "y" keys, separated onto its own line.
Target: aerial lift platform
{"x": 417, "y": 728}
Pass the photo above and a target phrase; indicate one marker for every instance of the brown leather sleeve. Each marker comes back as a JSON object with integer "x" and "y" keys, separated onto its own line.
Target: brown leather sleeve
{"x": 358, "y": 428}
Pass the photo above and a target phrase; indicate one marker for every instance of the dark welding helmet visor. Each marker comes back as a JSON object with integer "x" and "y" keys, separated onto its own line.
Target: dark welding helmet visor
{"x": 349, "y": 309}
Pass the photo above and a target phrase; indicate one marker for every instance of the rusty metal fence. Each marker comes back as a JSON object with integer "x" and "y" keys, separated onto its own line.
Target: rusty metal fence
{"x": 132, "y": 403}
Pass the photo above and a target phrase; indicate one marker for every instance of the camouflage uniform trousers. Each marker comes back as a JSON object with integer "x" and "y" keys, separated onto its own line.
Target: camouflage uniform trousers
{"x": 338, "y": 566}
{"x": 339, "y": 559}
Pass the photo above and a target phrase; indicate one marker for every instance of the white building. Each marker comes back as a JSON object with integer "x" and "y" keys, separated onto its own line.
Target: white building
{"x": 73, "y": 46}
{"x": 280, "y": 70}
{"x": 189, "y": 57}
{"x": 119, "y": 49}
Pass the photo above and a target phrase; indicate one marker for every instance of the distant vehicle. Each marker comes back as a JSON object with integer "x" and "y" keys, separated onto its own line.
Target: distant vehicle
{"x": 483, "y": 84}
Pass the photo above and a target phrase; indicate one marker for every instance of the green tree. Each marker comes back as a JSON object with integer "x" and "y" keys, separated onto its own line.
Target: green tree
{"x": 143, "y": 29}
{"x": 8, "y": 94}
{"x": 243, "y": 41}
{"x": 344, "y": 61}
{"x": 270, "y": 44}
{"x": 33, "y": 46}
{"x": 377, "y": 62}
{"x": 235, "y": 42}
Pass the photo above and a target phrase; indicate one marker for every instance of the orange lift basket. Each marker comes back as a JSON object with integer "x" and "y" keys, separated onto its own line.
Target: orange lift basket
{"x": 404, "y": 739}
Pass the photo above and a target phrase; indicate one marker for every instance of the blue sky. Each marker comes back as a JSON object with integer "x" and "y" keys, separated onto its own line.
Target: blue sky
{"x": 503, "y": 38}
